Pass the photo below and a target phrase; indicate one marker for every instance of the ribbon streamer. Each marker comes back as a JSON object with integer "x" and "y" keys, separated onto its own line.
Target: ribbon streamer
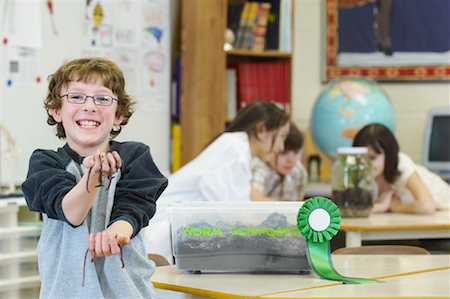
{"x": 319, "y": 220}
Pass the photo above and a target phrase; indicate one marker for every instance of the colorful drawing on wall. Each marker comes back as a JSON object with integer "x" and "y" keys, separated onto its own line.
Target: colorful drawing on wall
{"x": 388, "y": 39}
{"x": 155, "y": 32}
{"x": 97, "y": 17}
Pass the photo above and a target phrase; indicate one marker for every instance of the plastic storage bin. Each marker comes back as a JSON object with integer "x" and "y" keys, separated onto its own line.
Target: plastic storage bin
{"x": 238, "y": 237}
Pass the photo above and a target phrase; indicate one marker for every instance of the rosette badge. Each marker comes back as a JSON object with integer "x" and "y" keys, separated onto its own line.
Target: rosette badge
{"x": 319, "y": 220}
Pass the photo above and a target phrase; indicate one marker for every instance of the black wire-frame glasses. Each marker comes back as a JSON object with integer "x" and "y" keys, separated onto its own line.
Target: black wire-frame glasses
{"x": 80, "y": 98}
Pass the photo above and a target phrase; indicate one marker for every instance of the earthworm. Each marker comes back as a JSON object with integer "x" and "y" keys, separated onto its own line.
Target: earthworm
{"x": 100, "y": 177}
{"x": 92, "y": 260}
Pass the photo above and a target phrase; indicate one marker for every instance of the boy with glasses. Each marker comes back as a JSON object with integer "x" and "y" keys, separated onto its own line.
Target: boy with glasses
{"x": 95, "y": 194}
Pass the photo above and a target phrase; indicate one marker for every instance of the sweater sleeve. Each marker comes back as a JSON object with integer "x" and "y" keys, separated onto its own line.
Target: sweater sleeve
{"x": 47, "y": 183}
{"x": 139, "y": 187}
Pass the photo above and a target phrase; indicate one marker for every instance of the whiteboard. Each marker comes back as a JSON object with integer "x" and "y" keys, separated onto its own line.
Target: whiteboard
{"x": 124, "y": 40}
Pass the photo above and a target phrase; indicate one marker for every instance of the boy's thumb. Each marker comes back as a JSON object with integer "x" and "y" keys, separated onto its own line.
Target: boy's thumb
{"x": 88, "y": 162}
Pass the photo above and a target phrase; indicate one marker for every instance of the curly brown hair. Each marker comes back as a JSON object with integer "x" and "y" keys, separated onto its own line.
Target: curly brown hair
{"x": 88, "y": 70}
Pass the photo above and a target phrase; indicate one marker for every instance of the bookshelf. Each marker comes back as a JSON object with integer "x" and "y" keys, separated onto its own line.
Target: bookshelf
{"x": 203, "y": 98}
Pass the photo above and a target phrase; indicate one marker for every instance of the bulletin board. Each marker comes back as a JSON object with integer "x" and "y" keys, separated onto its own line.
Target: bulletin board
{"x": 39, "y": 35}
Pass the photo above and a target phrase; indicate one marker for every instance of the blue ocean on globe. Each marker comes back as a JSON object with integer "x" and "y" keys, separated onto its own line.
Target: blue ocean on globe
{"x": 344, "y": 107}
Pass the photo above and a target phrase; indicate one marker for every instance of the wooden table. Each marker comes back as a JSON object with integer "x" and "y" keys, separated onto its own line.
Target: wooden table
{"x": 392, "y": 226}
{"x": 402, "y": 276}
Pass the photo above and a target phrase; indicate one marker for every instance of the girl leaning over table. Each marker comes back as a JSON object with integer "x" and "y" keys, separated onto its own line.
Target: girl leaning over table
{"x": 403, "y": 186}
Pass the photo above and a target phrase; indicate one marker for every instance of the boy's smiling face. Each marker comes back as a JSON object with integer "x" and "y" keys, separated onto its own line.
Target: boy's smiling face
{"x": 87, "y": 125}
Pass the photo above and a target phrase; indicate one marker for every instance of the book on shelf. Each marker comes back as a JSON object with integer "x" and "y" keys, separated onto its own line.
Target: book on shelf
{"x": 250, "y": 25}
{"x": 231, "y": 91}
{"x": 242, "y": 26}
{"x": 260, "y": 27}
{"x": 285, "y": 28}
{"x": 273, "y": 25}
{"x": 234, "y": 16}
{"x": 263, "y": 25}
{"x": 263, "y": 80}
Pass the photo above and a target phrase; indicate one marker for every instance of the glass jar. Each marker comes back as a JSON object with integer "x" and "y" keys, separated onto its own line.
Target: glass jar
{"x": 353, "y": 182}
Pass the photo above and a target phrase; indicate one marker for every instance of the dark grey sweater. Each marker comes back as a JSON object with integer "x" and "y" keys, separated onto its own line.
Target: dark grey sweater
{"x": 131, "y": 197}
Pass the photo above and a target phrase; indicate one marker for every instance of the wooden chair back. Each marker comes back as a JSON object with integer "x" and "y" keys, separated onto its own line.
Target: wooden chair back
{"x": 382, "y": 249}
{"x": 159, "y": 260}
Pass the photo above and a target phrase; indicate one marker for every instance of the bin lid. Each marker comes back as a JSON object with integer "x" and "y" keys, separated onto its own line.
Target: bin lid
{"x": 354, "y": 150}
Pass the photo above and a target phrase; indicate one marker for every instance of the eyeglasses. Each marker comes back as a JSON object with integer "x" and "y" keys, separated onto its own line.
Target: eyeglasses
{"x": 80, "y": 98}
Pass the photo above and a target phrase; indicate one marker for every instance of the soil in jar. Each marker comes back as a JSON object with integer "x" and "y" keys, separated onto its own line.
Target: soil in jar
{"x": 353, "y": 202}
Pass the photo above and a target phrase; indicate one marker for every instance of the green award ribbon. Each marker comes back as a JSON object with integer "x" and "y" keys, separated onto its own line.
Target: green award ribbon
{"x": 318, "y": 220}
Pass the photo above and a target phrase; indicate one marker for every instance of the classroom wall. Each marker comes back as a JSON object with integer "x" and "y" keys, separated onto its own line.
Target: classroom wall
{"x": 21, "y": 107}
{"x": 410, "y": 100}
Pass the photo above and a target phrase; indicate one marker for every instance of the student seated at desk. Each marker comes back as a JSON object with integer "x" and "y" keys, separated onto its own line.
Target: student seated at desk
{"x": 283, "y": 177}
{"x": 403, "y": 186}
{"x": 222, "y": 171}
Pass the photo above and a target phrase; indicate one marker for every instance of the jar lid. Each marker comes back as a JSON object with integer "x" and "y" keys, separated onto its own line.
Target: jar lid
{"x": 354, "y": 150}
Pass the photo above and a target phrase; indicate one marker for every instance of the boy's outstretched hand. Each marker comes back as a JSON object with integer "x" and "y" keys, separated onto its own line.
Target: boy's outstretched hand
{"x": 106, "y": 244}
{"x": 101, "y": 165}
{"x": 109, "y": 241}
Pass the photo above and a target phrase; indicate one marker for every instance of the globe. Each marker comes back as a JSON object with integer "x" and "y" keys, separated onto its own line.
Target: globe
{"x": 344, "y": 107}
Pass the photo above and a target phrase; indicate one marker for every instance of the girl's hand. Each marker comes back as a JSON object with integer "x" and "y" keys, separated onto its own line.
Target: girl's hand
{"x": 396, "y": 204}
{"x": 383, "y": 204}
{"x": 106, "y": 243}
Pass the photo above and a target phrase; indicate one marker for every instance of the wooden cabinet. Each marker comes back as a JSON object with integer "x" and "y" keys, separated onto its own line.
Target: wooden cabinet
{"x": 203, "y": 72}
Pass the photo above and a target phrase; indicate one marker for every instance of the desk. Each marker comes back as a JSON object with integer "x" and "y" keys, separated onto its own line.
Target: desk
{"x": 392, "y": 226}
{"x": 392, "y": 269}
{"x": 433, "y": 284}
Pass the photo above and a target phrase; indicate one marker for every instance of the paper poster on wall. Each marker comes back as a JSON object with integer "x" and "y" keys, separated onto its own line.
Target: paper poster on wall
{"x": 134, "y": 34}
{"x": 126, "y": 27}
{"x": 22, "y": 66}
{"x": 22, "y": 24}
{"x": 98, "y": 24}
{"x": 33, "y": 55}
{"x": 155, "y": 76}
{"x": 154, "y": 94}
{"x": 127, "y": 59}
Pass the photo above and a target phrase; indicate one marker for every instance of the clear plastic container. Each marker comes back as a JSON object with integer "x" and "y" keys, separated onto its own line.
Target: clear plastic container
{"x": 352, "y": 180}
{"x": 238, "y": 237}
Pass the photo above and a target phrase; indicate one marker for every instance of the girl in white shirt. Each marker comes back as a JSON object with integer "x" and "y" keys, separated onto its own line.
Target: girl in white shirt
{"x": 403, "y": 186}
{"x": 222, "y": 171}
